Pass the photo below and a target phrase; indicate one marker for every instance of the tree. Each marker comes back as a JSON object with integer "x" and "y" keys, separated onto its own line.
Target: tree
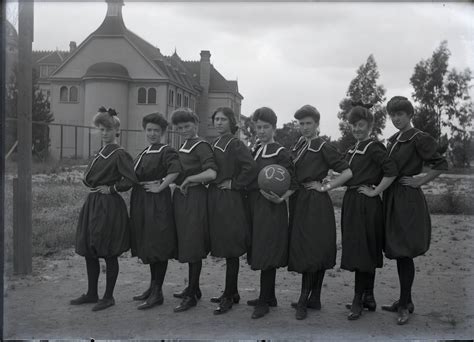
{"x": 40, "y": 112}
{"x": 363, "y": 88}
{"x": 442, "y": 100}
{"x": 428, "y": 85}
{"x": 288, "y": 134}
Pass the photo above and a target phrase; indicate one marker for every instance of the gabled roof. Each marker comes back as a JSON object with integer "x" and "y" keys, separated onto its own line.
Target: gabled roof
{"x": 53, "y": 57}
{"x": 217, "y": 82}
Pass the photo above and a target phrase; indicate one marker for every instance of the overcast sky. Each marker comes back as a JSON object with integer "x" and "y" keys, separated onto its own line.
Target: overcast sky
{"x": 284, "y": 55}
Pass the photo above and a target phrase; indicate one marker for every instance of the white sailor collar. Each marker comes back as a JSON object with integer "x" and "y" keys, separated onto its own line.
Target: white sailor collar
{"x": 156, "y": 148}
{"x": 108, "y": 150}
{"x": 314, "y": 144}
{"x": 361, "y": 148}
{"x": 405, "y": 136}
{"x": 269, "y": 150}
{"x": 189, "y": 145}
{"x": 222, "y": 142}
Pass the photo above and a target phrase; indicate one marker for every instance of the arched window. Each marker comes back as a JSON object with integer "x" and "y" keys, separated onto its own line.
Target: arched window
{"x": 152, "y": 95}
{"x": 141, "y": 95}
{"x": 171, "y": 98}
{"x": 63, "y": 94}
{"x": 73, "y": 94}
{"x": 186, "y": 101}
{"x": 178, "y": 100}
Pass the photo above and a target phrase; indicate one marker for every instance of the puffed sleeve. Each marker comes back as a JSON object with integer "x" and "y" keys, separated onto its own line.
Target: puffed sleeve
{"x": 206, "y": 156}
{"x": 333, "y": 158}
{"x": 378, "y": 155}
{"x": 284, "y": 159}
{"x": 125, "y": 168}
{"x": 171, "y": 159}
{"x": 426, "y": 147}
{"x": 245, "y": 164}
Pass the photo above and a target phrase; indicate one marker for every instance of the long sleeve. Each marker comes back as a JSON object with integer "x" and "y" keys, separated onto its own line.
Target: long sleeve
{"x": 379, "y": 156}
{"x": 333, "y": 158}
{"x": 246, "y": 165}
{"x": 426, "y": 147}
{"x": 125, "y": 168}
{"x": 171, "y": 159}
{"x": 206, "y": 157}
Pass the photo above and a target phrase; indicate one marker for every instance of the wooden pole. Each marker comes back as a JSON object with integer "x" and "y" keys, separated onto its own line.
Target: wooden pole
{"x": 22, "y": 256}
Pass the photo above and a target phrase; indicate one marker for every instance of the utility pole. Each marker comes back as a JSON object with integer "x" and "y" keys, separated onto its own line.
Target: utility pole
{"x": 22, "y": 256}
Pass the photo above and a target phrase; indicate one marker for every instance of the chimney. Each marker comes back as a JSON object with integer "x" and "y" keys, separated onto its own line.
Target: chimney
{"x": 114, "y": 8}
{"x": 205, "y": 70}
{"x": 72, "y": 46}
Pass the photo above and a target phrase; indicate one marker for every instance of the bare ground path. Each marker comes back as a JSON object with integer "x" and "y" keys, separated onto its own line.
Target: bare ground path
{"x": 36, "y": 307}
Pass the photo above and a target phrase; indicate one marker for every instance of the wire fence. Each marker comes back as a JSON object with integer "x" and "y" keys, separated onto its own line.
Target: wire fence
{"x": 77, "y": 141}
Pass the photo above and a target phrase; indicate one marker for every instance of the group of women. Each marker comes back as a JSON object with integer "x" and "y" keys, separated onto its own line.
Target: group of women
{"x": 217, "y": 207}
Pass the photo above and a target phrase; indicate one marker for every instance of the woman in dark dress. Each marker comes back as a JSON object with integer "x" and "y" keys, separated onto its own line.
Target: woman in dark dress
{"x": 268, "y": 213}
{"x": 313, "y": 225}
{"x": 190, "y": 202}
{"x": 407, "y": 217}
{"x": 103, "y": 229}
{"x": 228, "y": 222}
{"x": 151, "y": 210}
{"x": 362, "y": 212}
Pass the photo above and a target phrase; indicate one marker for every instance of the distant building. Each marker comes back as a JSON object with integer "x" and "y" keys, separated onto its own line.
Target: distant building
{"x": 116, "y": 68}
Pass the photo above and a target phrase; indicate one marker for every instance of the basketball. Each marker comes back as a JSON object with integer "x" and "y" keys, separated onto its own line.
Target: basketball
{"x": 274, "y": 178}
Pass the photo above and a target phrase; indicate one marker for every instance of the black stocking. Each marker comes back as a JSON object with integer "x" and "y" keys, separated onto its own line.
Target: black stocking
{"x": 112, "y": 267}
{"x": 93, "y": 271}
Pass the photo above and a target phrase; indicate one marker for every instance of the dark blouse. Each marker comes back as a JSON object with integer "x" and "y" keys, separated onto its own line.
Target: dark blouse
{"x": 155, "y": 162}
{"x": 409, "y": 150}
{"x": 269, "y": 154}
{"x": 234, "y": 161}
{"x": 314, "y": 159}
{"x": 369, "y": 163}
{"x": 111, "y": 166}
{"x": 196, "y": 156}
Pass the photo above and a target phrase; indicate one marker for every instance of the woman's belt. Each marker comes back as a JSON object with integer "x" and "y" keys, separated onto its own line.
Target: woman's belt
{"x": 351, "y": 187}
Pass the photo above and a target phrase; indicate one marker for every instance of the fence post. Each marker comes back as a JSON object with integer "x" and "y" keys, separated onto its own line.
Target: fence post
{"x": 75, "y": 142}
{"x": 61, "y": 144}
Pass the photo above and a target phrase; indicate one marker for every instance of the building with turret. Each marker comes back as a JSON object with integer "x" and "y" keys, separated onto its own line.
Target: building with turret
{"x": 116, "y": 68}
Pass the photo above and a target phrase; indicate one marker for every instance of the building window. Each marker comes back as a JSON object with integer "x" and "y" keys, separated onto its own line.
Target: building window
{"x": 171, "y": 97}
{"x": 43, "y": 71}
{"x": 186, "y": 101}
{"x": 73, "y": 94}
{"x": 141, "y": 95}
{"x": 152, "y": 95}
{"x": 63, "y": 94}
{"x": 178, "y": 99}
{"x": 193, "y": 104}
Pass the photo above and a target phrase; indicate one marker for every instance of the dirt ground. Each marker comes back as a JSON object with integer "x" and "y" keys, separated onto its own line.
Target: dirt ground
{"x": 36, "y": 306}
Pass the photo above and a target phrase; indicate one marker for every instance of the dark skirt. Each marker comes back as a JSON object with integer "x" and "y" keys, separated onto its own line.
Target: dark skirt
{"x": 103, "y": 229}
{"x": 152, "y": 225}
{"x": 228, "y": 225}
{"x": 190, "y": 213}
{"x": 407, "y": 222}
{"x": 362, "y": 232}
{"x": 313, "y": 232}
{"x": 269, "y": 226}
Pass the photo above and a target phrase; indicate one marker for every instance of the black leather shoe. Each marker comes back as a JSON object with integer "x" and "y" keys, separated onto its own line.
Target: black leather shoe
{"x": 271, "y": 302}
{"x": 301, "y": 311}
{"x": 261, "y": 309}
{"x": 394, "y": 307}
{"x": 155, "y": 298}
{"x": 403, "y": 316}
{"x": 368, "y": 301}
{"x": 183, "y": 293}
{"x": 310, "y": 305}
{"x": 235, "y": 298}
{"x": 84, "y": 299}
{"x": 356, "y": 308}
{"x": 103, "y": 304}
{"x": 187, "y": 303}
{"x": 144, "y": 295}
{"x": 224, "y": 306}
